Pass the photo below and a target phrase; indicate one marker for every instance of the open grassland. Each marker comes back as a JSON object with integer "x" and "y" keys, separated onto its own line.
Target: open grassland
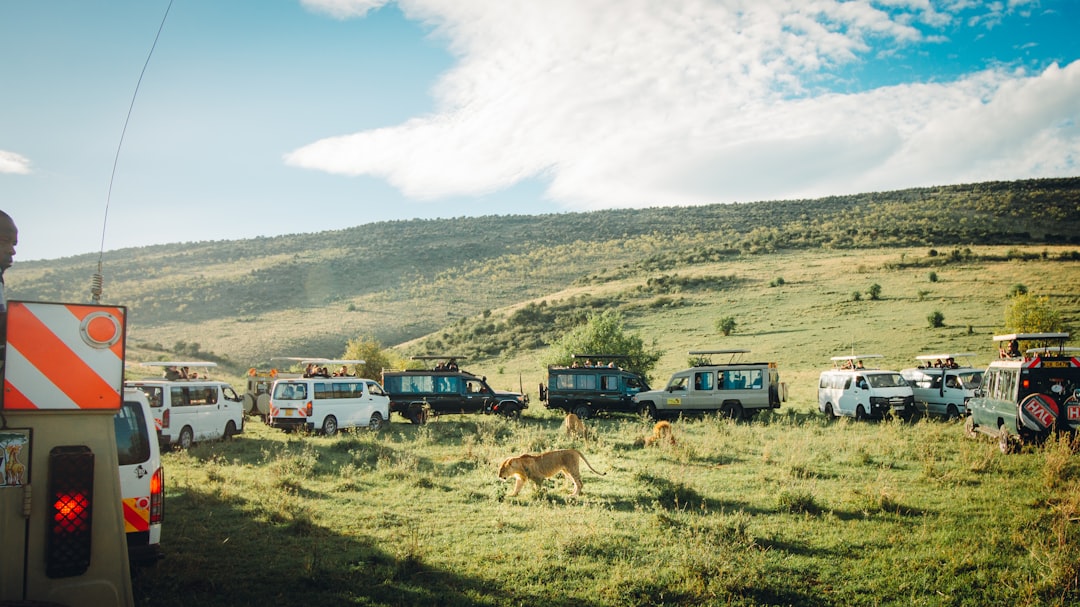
{"x": 789, "y": 509}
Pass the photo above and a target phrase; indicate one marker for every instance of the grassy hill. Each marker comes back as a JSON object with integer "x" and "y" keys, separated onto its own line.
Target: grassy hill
{"x": 500, "y": 287}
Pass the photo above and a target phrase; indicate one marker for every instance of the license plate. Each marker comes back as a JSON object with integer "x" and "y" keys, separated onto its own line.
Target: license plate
{"x": 288, "y": 412}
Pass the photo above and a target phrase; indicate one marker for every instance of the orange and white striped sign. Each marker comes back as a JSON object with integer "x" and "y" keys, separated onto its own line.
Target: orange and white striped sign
{"x": 64, "y": 356}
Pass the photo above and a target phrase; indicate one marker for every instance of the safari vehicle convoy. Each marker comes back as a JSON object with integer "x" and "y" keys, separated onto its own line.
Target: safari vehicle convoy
{"x": 853, "y": 390}
{"x": 735, "y": 389}
{"x": 1027, "y": 395}
{"x": 64, "y": 541}
{"x": 446, "y": 388}
{"x": 941, "y": 385}
{"x": 588, "y": 387}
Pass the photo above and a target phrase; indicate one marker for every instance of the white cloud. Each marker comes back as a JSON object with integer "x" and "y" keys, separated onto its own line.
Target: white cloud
{"x": 343, "y": 9}
{"x": 634, "y": 102}
{"x": 10, "y": 162}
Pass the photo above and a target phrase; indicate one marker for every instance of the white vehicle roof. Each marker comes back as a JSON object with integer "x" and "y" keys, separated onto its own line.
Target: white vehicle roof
{"x": 1031, "y": 336}
{"x": 854, "y": 357}
{"x": 1051, "y": 350}
{"x": 309, "y": 360}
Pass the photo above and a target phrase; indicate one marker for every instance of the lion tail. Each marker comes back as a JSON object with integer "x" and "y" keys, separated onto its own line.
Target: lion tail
{"x": 582, "y": 456}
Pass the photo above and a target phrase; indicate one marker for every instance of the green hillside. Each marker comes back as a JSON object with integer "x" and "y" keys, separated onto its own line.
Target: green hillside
{"x": 498, "y": 287}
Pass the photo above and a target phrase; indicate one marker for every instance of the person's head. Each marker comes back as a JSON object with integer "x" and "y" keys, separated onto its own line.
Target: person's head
{"x": 9, "y": 237}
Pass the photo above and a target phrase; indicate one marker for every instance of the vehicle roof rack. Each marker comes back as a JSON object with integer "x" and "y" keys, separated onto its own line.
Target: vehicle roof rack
{"x": 309, "y": 360}
{"x": 854, "y": 357}
{"x": 943, "y": 356}
{"x": 612, "y": 356}
{"x": 1051, "y": 350}
{"x": 180, "y": 363}
{"x": 435, "y": 357}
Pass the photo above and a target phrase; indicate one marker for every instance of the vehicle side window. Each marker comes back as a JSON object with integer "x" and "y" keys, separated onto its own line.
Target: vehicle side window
{"x": 609, "y": 382}
{"x": 564, "y": 381}
{"x": 703, "y": 380}
{"x": 677, "y": 383}
{"x": 132, "y": 445}
{"x": 231, "y": 394}
{"x": 374, "y": 388}
{"x": 153, "y": 395}
{"x": 178, "y": 396}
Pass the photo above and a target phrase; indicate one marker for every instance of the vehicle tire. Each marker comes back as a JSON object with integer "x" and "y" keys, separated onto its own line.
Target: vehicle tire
{"x": 829, "y": 411}
{"x": 230, "y": 430}
{"x": 731, "y": 411}
{"x": 1004, "y": 442}
{"x": 376, "y": 422}
{"x": 952, "y": 412}
{"x": 510, "y": 411}
{"x": 860, "y": 413}
{"x": 187, "y": 438}
{"x": 969, "y": 427}
{"x": 647, "y": 410}
{"x": 583, "y": 412}
{"x": 329, "y": 426}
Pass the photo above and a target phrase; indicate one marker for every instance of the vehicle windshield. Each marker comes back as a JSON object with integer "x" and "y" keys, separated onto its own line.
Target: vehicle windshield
{"x": 290, "y": 391}
{"x": 886, "y": 380}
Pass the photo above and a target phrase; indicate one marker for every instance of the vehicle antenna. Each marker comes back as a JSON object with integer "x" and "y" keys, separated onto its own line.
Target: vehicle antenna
{"x": 98, "y": 279}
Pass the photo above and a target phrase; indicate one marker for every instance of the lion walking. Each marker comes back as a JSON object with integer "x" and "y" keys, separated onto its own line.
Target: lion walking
{"x": 575, "y": 427}
{"x": 538, "y": 468}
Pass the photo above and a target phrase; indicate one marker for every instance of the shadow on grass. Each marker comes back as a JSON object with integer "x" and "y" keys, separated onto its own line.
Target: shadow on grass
{"x": 219, "y": 553}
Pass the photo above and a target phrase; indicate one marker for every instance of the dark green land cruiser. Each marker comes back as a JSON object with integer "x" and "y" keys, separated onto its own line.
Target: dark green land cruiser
{"x": 445, "y": 388}
{"x": 1027, "y": 394}
{"x": 588, "y": 387}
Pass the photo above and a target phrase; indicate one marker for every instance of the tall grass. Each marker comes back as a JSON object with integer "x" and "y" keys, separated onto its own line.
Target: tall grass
{"x": 788, "y": 509}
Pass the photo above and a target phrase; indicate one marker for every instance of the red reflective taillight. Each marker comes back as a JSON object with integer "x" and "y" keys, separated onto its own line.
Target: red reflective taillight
{"x": 71, "y": 492}
{"x": 307, "y": 409}
{"x": 157, "y": 496}
{"x": 165, "y": 419}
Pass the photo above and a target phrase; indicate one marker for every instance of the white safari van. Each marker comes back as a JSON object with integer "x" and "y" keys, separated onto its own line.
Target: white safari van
{"x": 852, "y": 389}
{"x": 188, "y": 410}
{"x": 142, "y": 481}
{"x": 327, "y": 403}
{"x": 942, "y": 386}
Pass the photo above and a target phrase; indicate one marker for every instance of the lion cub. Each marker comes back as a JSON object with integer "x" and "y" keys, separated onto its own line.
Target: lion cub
{"x": 574, "y": 426}
{"x": 536, "y": 468}
{"x": 661, "y": 433}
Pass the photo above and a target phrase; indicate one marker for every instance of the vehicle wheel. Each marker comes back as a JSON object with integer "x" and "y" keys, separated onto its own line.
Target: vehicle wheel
{"x": 1004, "y": 442}
{"x": 230, "y": 430}
{"x": 969, "y": 427}
{"x": 860, "y": 413}
{"x": 647, "y": 410}
{"x": 829, "y": 412}
{"x": 731, "y": 411}
{"x": 329, "y": 425}
{"x": 187, "y": 438}
{"x": 376, "y": 422}
{"x": 583, "y": 412}
{"x": 510, "y": 412}
{"x": 952, "y": 412}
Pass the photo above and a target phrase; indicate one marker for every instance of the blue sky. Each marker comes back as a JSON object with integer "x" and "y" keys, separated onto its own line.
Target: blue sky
{"x": 267, "y": 117}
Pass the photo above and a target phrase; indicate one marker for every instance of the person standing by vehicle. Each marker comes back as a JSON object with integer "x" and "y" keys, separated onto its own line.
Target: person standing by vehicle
{"x": 9, "y": 237}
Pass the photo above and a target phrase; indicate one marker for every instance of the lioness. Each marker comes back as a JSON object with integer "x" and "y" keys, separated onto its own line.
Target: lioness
{"x": 536, "y": 468}
{"x": 574, "y": 426}
{"x": 661, "y": 432}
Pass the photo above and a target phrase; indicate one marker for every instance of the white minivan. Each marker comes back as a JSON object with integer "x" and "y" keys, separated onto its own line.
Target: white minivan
{"x": 142, "y": 480}
{"x": 854, "y": 390}
{"x": 942, "y": 386}
{"x": 189, "y": 410}
{"x": 327, "y": 404}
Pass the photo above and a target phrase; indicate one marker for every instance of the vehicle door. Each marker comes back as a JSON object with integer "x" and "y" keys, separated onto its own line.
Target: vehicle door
{"x": 355, "y": 403}
{"x": 701, "y": 393}
{"x": 675, "y": 393}
{"x": 478, "y": 396}
{"x": 610, "y": 395}
{"x": 206, "y": 400}
{"x": 855, "y": 391}
{"x": 182, "y": 413}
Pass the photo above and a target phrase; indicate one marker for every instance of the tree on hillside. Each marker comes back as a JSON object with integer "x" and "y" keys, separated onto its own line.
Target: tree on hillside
{"x": 605, "y": 333}
{"x": 375, "y": 357}
{"x": 1027, "y": 313}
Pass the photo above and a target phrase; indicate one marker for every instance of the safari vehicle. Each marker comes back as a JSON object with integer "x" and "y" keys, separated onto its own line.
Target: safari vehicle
{"x": 588, "y": 387}
{"x": 1024, "y": 399}
{"x": 851, "y": 389}
{"x": 187, "y": 410}
{"x": 736, "y": 390}
{"x": 257, "y": 392}
{"x": 142, "y": 480}
{"x": 941, "y": 385}
{"x": 63, "y": 541}
{"x": 417, "y": 393}
{"x": 326, "y": 403}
